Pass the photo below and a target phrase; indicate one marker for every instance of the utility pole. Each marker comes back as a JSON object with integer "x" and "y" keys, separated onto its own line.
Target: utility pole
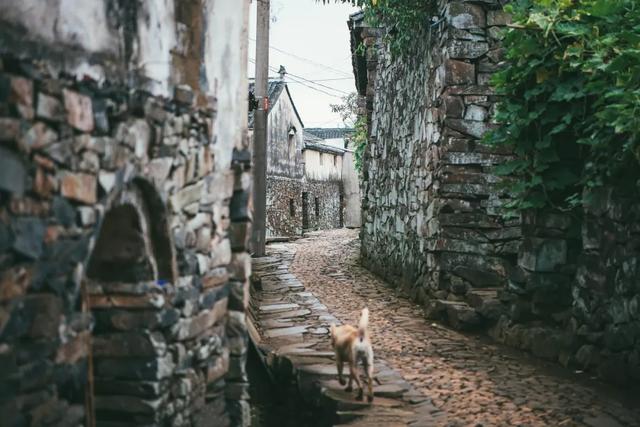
{"x": 260, "y": 130}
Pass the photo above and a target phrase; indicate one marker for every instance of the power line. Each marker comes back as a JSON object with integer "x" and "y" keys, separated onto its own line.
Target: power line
{"x": 304, "y": 82}
{"x": 335, "y": 70}
{"x": 317, "y": 80}
{"x": 330, "y": 80}
{"x": 319, "y": 84}
{"x": 294, "y": 78}
{"x": 316, "y": 89}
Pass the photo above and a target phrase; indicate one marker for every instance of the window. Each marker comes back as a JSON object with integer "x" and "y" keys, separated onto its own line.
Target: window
{"x": 317, "y": 207}
{"x": 335, "y": 161}
{"x": 320, "y": 159}
{"x": 292, "y": 143}
{"x": 292, "y": 208}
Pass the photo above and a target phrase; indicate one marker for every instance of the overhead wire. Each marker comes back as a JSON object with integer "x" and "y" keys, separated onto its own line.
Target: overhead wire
{"x": 303, "y": 82}
{"x": 335, "y": 70}
{"x": 319, "y": 84}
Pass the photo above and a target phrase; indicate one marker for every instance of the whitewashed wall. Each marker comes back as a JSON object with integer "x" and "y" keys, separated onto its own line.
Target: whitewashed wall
{"x": 329, "y": 170}
{"x": 226, "y": 36}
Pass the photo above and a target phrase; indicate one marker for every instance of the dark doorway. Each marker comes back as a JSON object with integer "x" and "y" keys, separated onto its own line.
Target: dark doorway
{"x": 305, "y": 210}
{"x": 317, "y": 207}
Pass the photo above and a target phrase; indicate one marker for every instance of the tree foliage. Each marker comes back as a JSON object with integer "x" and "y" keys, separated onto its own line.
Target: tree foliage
{"x": 571, "y": 102}
{"x": 347, "y": 109}
{"x": 359, "y": 140}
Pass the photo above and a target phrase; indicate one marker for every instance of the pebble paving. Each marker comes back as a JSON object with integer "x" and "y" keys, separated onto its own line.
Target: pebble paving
{"x": 472, "y": 381}
{"x": 290, "y": 329}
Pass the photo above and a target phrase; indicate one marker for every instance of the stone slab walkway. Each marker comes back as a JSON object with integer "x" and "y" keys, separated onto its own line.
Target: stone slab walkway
{"x": 471, "y": 380}
{"x": 290, "y": 328}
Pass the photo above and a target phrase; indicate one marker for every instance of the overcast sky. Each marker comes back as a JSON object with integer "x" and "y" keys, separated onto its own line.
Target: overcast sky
{"x": 315, "y": 38}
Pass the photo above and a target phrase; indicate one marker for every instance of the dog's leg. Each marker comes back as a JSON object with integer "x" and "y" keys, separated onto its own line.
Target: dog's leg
{"x": 340, "y": 366}
{"x": 356, "y": 376}
{"x": 369, "y": 370}
{"x": 351, "y": 377}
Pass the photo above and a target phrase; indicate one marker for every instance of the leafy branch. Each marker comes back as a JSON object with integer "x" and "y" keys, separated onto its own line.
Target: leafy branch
{"x": 571, "y": 99}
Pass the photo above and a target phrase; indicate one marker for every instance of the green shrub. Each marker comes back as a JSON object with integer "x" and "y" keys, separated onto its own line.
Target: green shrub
{"x": 571, "y": 106}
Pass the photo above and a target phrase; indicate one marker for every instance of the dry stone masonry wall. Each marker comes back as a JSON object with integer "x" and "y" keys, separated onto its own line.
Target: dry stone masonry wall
{"x": 563, "y": 286}
{"x": 284, "y": 206}
{"x": 298, "y": 205}
{"x": 124, "y": 219}
{"x": 574, "y": 297}
{"x": 429, "y": 189}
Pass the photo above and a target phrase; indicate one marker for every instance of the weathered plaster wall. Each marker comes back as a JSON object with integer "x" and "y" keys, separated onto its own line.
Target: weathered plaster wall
{"x": 284, "y": 155}
{"x": 225, "y": 50}
{"x": 351, "y": 188}
{"x": 124, "y": 221}
{"x": 322, "y": 166}
{"x": 63, "y": 21}
{"x": 139, "y": 40}
{"x": 156, "y": 41}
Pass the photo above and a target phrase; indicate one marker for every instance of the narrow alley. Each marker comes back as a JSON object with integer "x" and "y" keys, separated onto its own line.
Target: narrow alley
{"x": 470, "y": 381}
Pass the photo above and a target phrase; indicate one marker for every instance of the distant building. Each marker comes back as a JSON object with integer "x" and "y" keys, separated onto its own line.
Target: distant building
{"x": 305, "y": 174}
{"x": 332, "y": 136}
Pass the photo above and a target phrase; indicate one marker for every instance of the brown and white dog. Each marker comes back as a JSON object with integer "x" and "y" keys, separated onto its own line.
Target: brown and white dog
{"x": 352, "y": 345}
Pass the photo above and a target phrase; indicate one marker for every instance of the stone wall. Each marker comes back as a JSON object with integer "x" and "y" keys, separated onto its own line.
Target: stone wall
{"x": 326, "y": 210}
{"x": 123, "y": 230}
{"x": 560, "y": 285}
{"x": 429, "y": 217}
{"x": 574, "y": 297}
{"x": 285, "y": 204}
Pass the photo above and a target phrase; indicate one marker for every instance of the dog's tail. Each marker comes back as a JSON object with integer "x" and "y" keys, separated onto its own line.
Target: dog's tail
{"x": 363, "y": 323}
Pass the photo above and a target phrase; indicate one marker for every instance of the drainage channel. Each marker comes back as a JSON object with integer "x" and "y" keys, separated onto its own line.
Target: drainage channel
{"x": 272, "y": 405}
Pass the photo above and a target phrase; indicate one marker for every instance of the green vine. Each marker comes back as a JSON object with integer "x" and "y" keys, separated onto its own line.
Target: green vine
{"x": 571, "y": 99}
{"x": 402, "y": 19}
{"x": 360, "y": 140}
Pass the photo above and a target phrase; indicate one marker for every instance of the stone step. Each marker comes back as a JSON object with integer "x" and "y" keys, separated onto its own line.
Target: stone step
{"x": 459, "y": 315}
{"x": 486, "y": 302}
{"x": 477, "y": 297}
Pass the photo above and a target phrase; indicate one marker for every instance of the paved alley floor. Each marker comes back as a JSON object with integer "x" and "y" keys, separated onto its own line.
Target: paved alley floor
{"x": 471, "y": 380}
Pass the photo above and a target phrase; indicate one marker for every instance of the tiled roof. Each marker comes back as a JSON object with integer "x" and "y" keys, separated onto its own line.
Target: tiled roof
{"x": 330, "y": 133}
{"x": 313, "y": 142}
{"x": 274, "y": 90}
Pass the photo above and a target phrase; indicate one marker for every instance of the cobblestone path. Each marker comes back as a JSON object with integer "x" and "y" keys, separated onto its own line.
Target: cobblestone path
{"x": 471, "y": 380}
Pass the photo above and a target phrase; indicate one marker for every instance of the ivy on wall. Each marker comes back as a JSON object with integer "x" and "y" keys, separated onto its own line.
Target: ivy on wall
{"x": 401, "y": 18}
{"x": 359, "y": 140}
{"x": 571, "y": 107}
